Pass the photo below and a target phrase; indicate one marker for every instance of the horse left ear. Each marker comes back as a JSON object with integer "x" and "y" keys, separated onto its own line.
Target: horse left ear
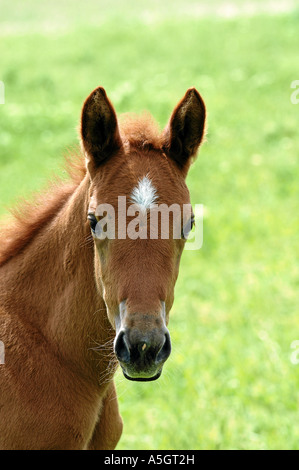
{"x": 99, "y": 128}
{"x": 185, "y": 130}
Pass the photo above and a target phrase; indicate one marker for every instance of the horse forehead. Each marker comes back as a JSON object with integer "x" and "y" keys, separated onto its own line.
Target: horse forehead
{"x": 144, "y": 193}
{"x": 143, "y": 181}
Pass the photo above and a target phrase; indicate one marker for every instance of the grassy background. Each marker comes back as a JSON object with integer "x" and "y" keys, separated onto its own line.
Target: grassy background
{"x": 229, "y": 383}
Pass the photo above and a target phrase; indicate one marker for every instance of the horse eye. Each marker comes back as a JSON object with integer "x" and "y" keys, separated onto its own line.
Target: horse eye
{"x": 188, "y": 227}
{"x": 92, "y": 222}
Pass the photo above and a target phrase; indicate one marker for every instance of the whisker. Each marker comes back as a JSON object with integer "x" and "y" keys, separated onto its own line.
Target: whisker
{"x": 109, "y": 371}
{"x": 103, "y": 347}
{"x": 86, "y": 241}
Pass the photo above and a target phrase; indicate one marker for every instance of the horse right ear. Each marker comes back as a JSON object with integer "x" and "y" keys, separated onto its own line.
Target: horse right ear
{"x": 185, "y": 130}
{"x": 99, "y": 128}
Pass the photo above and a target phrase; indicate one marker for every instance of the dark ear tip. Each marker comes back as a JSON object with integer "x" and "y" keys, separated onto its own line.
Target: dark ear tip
{"x": 97, "y": 93}
{"x": 101, "y": 90}
{"x": 192, "y": 92}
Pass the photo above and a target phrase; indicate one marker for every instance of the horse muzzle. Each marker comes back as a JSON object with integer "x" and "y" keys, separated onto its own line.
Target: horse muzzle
{"x": 140, "y": 349}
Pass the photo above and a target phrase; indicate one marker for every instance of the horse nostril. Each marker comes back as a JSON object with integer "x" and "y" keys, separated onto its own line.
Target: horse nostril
{"x": 165, "y": 351}
{"x": 121, "y": 349}
{"x": 142, "y": 351}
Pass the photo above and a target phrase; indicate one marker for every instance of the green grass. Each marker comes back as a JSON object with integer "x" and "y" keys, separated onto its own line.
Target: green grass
{"x": 229, "y": 383}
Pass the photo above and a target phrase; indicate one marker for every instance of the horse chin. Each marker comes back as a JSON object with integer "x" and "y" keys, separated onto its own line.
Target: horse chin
{"x": 140, "y": 378}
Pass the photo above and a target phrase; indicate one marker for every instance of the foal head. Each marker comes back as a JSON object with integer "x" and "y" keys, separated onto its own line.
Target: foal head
{"x": 136, "y": 272}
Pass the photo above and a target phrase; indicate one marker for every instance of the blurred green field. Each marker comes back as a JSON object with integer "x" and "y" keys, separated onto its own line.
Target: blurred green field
{"x": 230, "y": 382}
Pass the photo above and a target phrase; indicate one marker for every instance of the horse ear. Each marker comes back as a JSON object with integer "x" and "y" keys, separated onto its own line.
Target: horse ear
{"x": 185, "y": 130}
{"x": 99, "y": 128}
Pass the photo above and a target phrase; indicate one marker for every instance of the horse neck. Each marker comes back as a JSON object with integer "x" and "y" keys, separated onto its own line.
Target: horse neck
{"x": 52, "y": 284}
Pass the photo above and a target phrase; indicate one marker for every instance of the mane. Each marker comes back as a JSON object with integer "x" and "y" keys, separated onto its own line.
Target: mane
{"x": 140, "y": 131}
{"x": 28, "y": 217}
